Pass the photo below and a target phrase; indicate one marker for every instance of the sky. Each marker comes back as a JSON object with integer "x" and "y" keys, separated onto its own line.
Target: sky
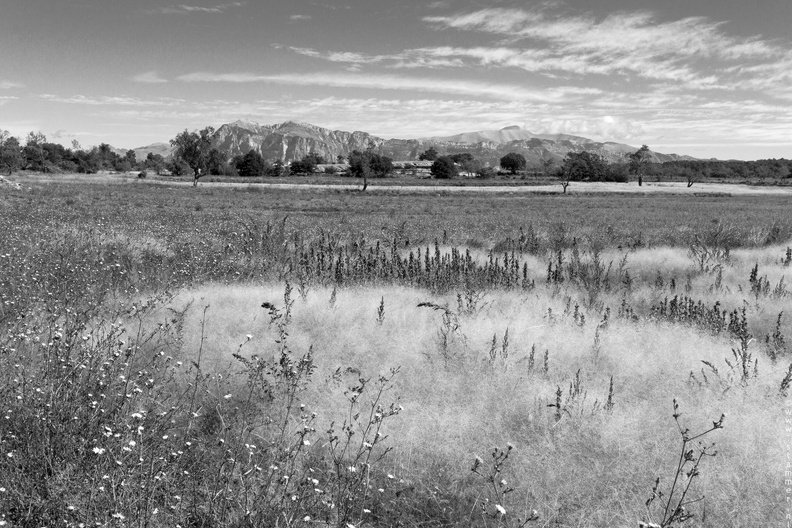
{"x": 706, "y": 78}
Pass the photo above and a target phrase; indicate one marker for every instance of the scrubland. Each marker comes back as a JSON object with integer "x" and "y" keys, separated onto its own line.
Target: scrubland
{"x": 202, "y": 360}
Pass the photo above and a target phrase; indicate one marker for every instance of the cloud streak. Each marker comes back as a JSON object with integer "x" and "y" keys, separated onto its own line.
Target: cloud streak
{"x": 150, "y": 77}
{"x": 468, "y": 88}
{"x": 182, "y": 9}
{"x": 109, "y": 100}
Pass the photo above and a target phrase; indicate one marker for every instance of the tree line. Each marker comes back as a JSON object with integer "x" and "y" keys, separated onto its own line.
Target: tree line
{"x": 195, "y": 155}
{"x": 40, "y": 155}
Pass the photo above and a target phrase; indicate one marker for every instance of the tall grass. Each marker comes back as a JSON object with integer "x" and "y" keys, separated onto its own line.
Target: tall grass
{"x": 249, "y": 373}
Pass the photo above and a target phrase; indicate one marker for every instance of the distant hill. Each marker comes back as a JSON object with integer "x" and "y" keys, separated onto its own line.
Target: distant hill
{"x": 291, "y": 140}
{"x": 537, "y": 147}
{"x": 163, "y": 149}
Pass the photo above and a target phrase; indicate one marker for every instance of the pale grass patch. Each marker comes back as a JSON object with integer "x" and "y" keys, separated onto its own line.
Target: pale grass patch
{"x": 593, "y": 466}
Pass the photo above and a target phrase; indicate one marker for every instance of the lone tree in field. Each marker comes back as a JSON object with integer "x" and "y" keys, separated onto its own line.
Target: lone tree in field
{"x": 444, "y": 168}
{"x": 367, "y": 165}
{"x": 638, "y": 162}
{"x": 513, "y": 162}
{"x": 193, "y": 148}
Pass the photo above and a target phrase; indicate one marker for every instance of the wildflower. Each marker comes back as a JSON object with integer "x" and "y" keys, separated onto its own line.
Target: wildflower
{"x": 500, "y": 509}
{"x": 306, "y": 518}
{"x": 227, "y": 396}
{"x": 118, "y": 516}
{"x": 99, "y": 450}
{"x": 249, "y": 337}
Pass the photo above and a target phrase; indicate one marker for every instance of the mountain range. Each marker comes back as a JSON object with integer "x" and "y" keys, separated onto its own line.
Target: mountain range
{"x": 290, "y": 141}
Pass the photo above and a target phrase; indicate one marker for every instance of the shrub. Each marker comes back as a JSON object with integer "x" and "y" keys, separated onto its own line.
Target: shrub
{"x": 444, "y": 168}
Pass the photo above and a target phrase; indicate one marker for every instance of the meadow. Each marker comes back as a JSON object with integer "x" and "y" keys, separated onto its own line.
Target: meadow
{"x": 258, "y": 357}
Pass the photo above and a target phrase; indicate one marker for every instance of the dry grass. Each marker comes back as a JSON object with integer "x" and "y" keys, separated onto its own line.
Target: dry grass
{"x": 575, "y": 368}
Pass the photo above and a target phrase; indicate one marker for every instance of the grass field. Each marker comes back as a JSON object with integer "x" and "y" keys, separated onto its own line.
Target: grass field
{"x": 258, "y": 357}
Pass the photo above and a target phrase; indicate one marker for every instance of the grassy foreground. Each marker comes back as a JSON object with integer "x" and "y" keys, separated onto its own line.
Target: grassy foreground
{"x": 180, "y": 358}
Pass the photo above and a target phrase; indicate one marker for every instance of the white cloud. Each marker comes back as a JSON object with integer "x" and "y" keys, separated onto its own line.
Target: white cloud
{"x": 300, "y": 17}
{"x": 692, "y": 52}
{"x": 184, "y": 9}
{"x": 607, "y": 128}
{"x": 150, "y": 77}
{"x": 110, "y": 100}
{"x": 8, "y": 85}
{"x": 468, "y": 88}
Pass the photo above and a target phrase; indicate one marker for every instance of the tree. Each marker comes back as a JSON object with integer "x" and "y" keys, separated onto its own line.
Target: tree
{"x": 10, "y": 155}
{"x": 584, "y": 166}
{"x": 276, "y": 169}
{"x": 485, "y": 172}
{"x": 193, "y": 149}
{"x": 131, "y": 157}
{"x": 154, "y": 162}
{"x": 217, "y": 164}
{"x": 251, "y": 164}
{"x": 179, "y": 167}
{"x": 367, "y": 164}
{"x": 513, "y": 162}
{"x": 444, "y": 168}
{"x": 467, "y": 162}
{"x": 429, "y": 154}
{"x": 302, "y": 166}
{"x": 638, "y": 161}
{"x": 34, "y": 153}
{"x": 548, "y": 165}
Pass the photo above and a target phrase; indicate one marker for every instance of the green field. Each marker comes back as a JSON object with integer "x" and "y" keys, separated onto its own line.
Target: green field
{"x": 249, "y": 356}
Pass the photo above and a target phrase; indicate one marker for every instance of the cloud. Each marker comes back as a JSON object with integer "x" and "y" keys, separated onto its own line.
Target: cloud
{"x": 184, "y": 9}
{"x": 150, "y": 77}
{"x": 8, "y": 85}
{"x": 607, "y": 128}
{"x": 4, "y": 99}
{"x": 467, "y": 88}
{"x": 692, "y": 51}
{"x": 295, "y": 18}
{"x": 109, "y": 100}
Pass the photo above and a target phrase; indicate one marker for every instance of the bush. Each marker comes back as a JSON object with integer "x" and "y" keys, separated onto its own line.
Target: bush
{"x": 444, "y": 168}
{"x": 486, "y": 173}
